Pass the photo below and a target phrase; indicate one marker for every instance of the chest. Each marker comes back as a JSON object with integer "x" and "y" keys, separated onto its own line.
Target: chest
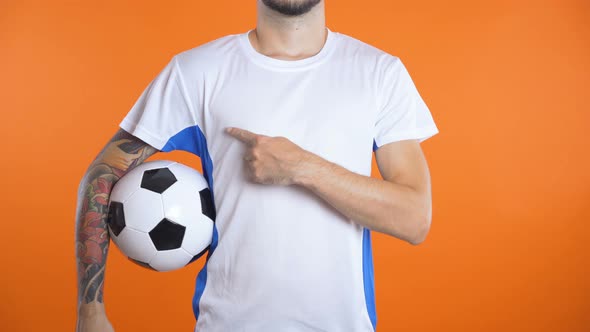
{"x": 323, "y": 112}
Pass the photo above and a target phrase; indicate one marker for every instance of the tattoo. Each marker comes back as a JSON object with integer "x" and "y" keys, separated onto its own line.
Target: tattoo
{"x": 122, "y": 153}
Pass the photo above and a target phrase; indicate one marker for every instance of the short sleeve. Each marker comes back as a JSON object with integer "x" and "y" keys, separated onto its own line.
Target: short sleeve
{"x": 162, "y": 110}
{"x": 402, "y": 114}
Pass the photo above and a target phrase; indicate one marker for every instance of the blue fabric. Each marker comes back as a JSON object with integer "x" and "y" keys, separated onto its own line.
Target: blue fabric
{"x": 368, "y": 279}
{"x": 192, "y": 139}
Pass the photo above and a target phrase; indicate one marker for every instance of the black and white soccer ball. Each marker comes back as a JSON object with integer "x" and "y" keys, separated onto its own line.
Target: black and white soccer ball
{"x": 161, "y": 215}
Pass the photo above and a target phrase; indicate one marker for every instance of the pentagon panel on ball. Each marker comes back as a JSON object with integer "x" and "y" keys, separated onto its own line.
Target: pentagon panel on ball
{"x": 157, "y": 180}
{"x": 116, "y": 218}
{"x": 167, "y": 235}
{"x": 161, "y": 215}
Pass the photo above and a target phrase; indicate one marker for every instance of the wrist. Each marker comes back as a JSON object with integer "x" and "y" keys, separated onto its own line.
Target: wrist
{"x": 307, "y": 170}
{"x": 91, "y": 309}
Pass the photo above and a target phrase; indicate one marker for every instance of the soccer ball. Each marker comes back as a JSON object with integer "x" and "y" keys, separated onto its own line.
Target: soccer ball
{"x": 161, "y": 215}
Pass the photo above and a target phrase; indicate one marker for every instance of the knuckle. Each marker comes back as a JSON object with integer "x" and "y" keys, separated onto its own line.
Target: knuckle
{"x": 258, "y": 139}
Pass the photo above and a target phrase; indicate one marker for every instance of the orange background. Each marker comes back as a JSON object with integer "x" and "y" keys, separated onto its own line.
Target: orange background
{"x": 506, "y": 82}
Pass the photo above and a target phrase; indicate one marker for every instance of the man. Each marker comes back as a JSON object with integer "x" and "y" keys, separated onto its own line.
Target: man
{"x": 285, "y": 118}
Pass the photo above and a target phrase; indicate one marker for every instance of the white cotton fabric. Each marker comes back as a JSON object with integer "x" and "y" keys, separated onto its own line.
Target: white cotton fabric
{"x": 284, "y": 259}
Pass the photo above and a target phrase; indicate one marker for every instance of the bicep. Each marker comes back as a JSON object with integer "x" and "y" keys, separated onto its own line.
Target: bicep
{"x": 403, "y": 162}
{"x": 122, "y": 153}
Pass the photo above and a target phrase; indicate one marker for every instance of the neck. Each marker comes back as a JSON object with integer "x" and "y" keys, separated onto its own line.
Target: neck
{"x": 289, "y": 38}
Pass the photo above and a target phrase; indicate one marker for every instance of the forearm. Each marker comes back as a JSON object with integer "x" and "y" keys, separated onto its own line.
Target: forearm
{"x": 385, "y": 206}
{"x": 92, "y": 237}
{"x": 380, "y": 205}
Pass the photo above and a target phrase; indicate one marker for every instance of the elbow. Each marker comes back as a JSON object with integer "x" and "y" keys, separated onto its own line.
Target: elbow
{"x": 82, "y": 186}
{"x": 83, "y": 183}
{"x": 420, "y": 230}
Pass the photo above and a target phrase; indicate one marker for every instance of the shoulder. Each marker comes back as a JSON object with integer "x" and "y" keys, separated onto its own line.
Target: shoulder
{"x": 375, "y": 63}
{"x": 208, "y": 55}
{"x": 352, "y": 47}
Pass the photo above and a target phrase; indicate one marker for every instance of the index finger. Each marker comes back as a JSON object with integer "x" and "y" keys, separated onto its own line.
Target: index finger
{"x": 243, "y": 135}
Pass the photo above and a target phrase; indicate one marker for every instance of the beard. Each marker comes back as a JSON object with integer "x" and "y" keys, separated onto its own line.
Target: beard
{"x": 291, "y": 7}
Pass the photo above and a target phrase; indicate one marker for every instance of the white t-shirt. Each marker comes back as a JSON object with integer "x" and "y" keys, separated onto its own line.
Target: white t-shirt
{"x": 281, "y": 258}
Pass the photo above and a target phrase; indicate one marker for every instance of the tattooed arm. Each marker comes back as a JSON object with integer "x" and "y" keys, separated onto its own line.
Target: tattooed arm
{"x": 120, "y": 155}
